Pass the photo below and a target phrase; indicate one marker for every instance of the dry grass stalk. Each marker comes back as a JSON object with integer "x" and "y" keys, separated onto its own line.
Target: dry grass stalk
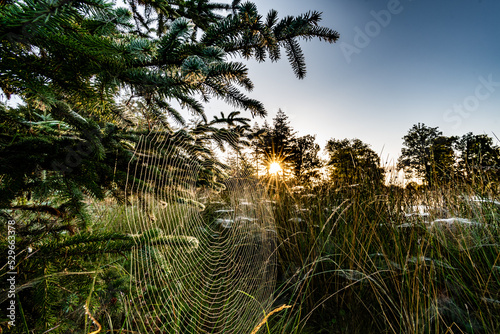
{"x": 276, "y": 310}
{"x": 96, "y": 323}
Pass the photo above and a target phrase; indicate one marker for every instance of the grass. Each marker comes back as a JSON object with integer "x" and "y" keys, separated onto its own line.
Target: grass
{"x": 349, "y": 260}
{"x": 355, "y": 261}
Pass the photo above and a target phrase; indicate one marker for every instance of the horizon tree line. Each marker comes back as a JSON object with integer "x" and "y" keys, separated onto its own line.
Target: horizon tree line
{"x": 426, "y": 155}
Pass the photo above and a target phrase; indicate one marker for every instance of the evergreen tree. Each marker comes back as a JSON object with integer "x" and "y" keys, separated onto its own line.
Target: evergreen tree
{"x": 100, "y": 88}
{"x": 297, "y": 156}
{"x": 276, "y": 143}
{"x": 152, "y": 53}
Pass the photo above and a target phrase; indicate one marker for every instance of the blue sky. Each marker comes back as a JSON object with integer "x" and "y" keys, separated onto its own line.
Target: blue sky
{"x": 397, "y": 63}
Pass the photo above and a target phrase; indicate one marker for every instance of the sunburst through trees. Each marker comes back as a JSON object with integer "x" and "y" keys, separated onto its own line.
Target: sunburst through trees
{"x": 275, "y": 168}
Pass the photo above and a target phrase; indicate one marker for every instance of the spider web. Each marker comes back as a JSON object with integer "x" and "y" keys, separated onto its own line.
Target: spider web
{"x": 194, "y": 272}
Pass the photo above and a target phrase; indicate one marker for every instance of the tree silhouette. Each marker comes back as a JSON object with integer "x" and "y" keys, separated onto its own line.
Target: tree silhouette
{"x": 478, "y": 157}
{"x": 353, "y": 162}
{"x": 97, "y": 83}
{"x": 275, "y": 144}
{"x": 305, "y": 160}
{"x": 415, "y": 156}
{"x": 72, "y": 63}
{"x": 442, "y": 160}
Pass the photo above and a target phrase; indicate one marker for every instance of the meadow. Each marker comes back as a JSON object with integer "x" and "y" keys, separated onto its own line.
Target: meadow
{"x": 345, "y": 259}
{"x": 357, "y": 259}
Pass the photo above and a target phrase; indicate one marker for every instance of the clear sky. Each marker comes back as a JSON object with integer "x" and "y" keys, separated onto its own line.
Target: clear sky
{"x": 397, "y": 63}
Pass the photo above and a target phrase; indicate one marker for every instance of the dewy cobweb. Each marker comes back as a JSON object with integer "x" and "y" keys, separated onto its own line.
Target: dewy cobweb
{"x": 189, "y": 274}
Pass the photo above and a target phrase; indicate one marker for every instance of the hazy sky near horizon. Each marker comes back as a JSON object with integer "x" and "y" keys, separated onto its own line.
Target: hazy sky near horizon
{"x": 397, "y": 63}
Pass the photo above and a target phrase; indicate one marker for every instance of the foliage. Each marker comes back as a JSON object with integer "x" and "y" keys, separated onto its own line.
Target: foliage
{"x": 415, "y": 154}
{"x": 353, "y": 162}
{"x": 479, "y": 158}
{"x": 104, "y": 88}
{"x": 306, "y": 162}
{"x": 241, "y": 165}
{"x": 361, "y": 260}
{"x": 442, "y": 160}
{"x": 75, "y": 125}
{"x": 438, "y": 159}
{"x": 275, "y": 144}
{"x": 297, "y": 156}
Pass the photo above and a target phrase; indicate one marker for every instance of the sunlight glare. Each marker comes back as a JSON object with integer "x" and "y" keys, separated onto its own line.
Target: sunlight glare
{"x": 275, "y": 168}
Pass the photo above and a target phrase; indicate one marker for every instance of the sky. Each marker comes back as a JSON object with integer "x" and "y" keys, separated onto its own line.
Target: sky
{"x": 397, "y": 63}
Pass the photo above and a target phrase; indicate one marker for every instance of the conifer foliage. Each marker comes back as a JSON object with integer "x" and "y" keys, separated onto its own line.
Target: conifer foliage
{"x": 83, "y": 83}
{"x": 80, "y": 66}
{"x": 297, "y": 156}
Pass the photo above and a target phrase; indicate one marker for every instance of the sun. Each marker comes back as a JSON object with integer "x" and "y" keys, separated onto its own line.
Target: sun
{"x": 275, "y": 168}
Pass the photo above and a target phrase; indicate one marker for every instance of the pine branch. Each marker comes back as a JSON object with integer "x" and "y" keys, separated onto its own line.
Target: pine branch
{"x": 296, "y": 57}
{"x": 38, "y": 208}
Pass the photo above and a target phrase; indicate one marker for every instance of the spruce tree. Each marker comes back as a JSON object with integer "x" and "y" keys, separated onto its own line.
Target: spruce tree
{"x": 95, "y": 82}
{"x": 275, "y": 144}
